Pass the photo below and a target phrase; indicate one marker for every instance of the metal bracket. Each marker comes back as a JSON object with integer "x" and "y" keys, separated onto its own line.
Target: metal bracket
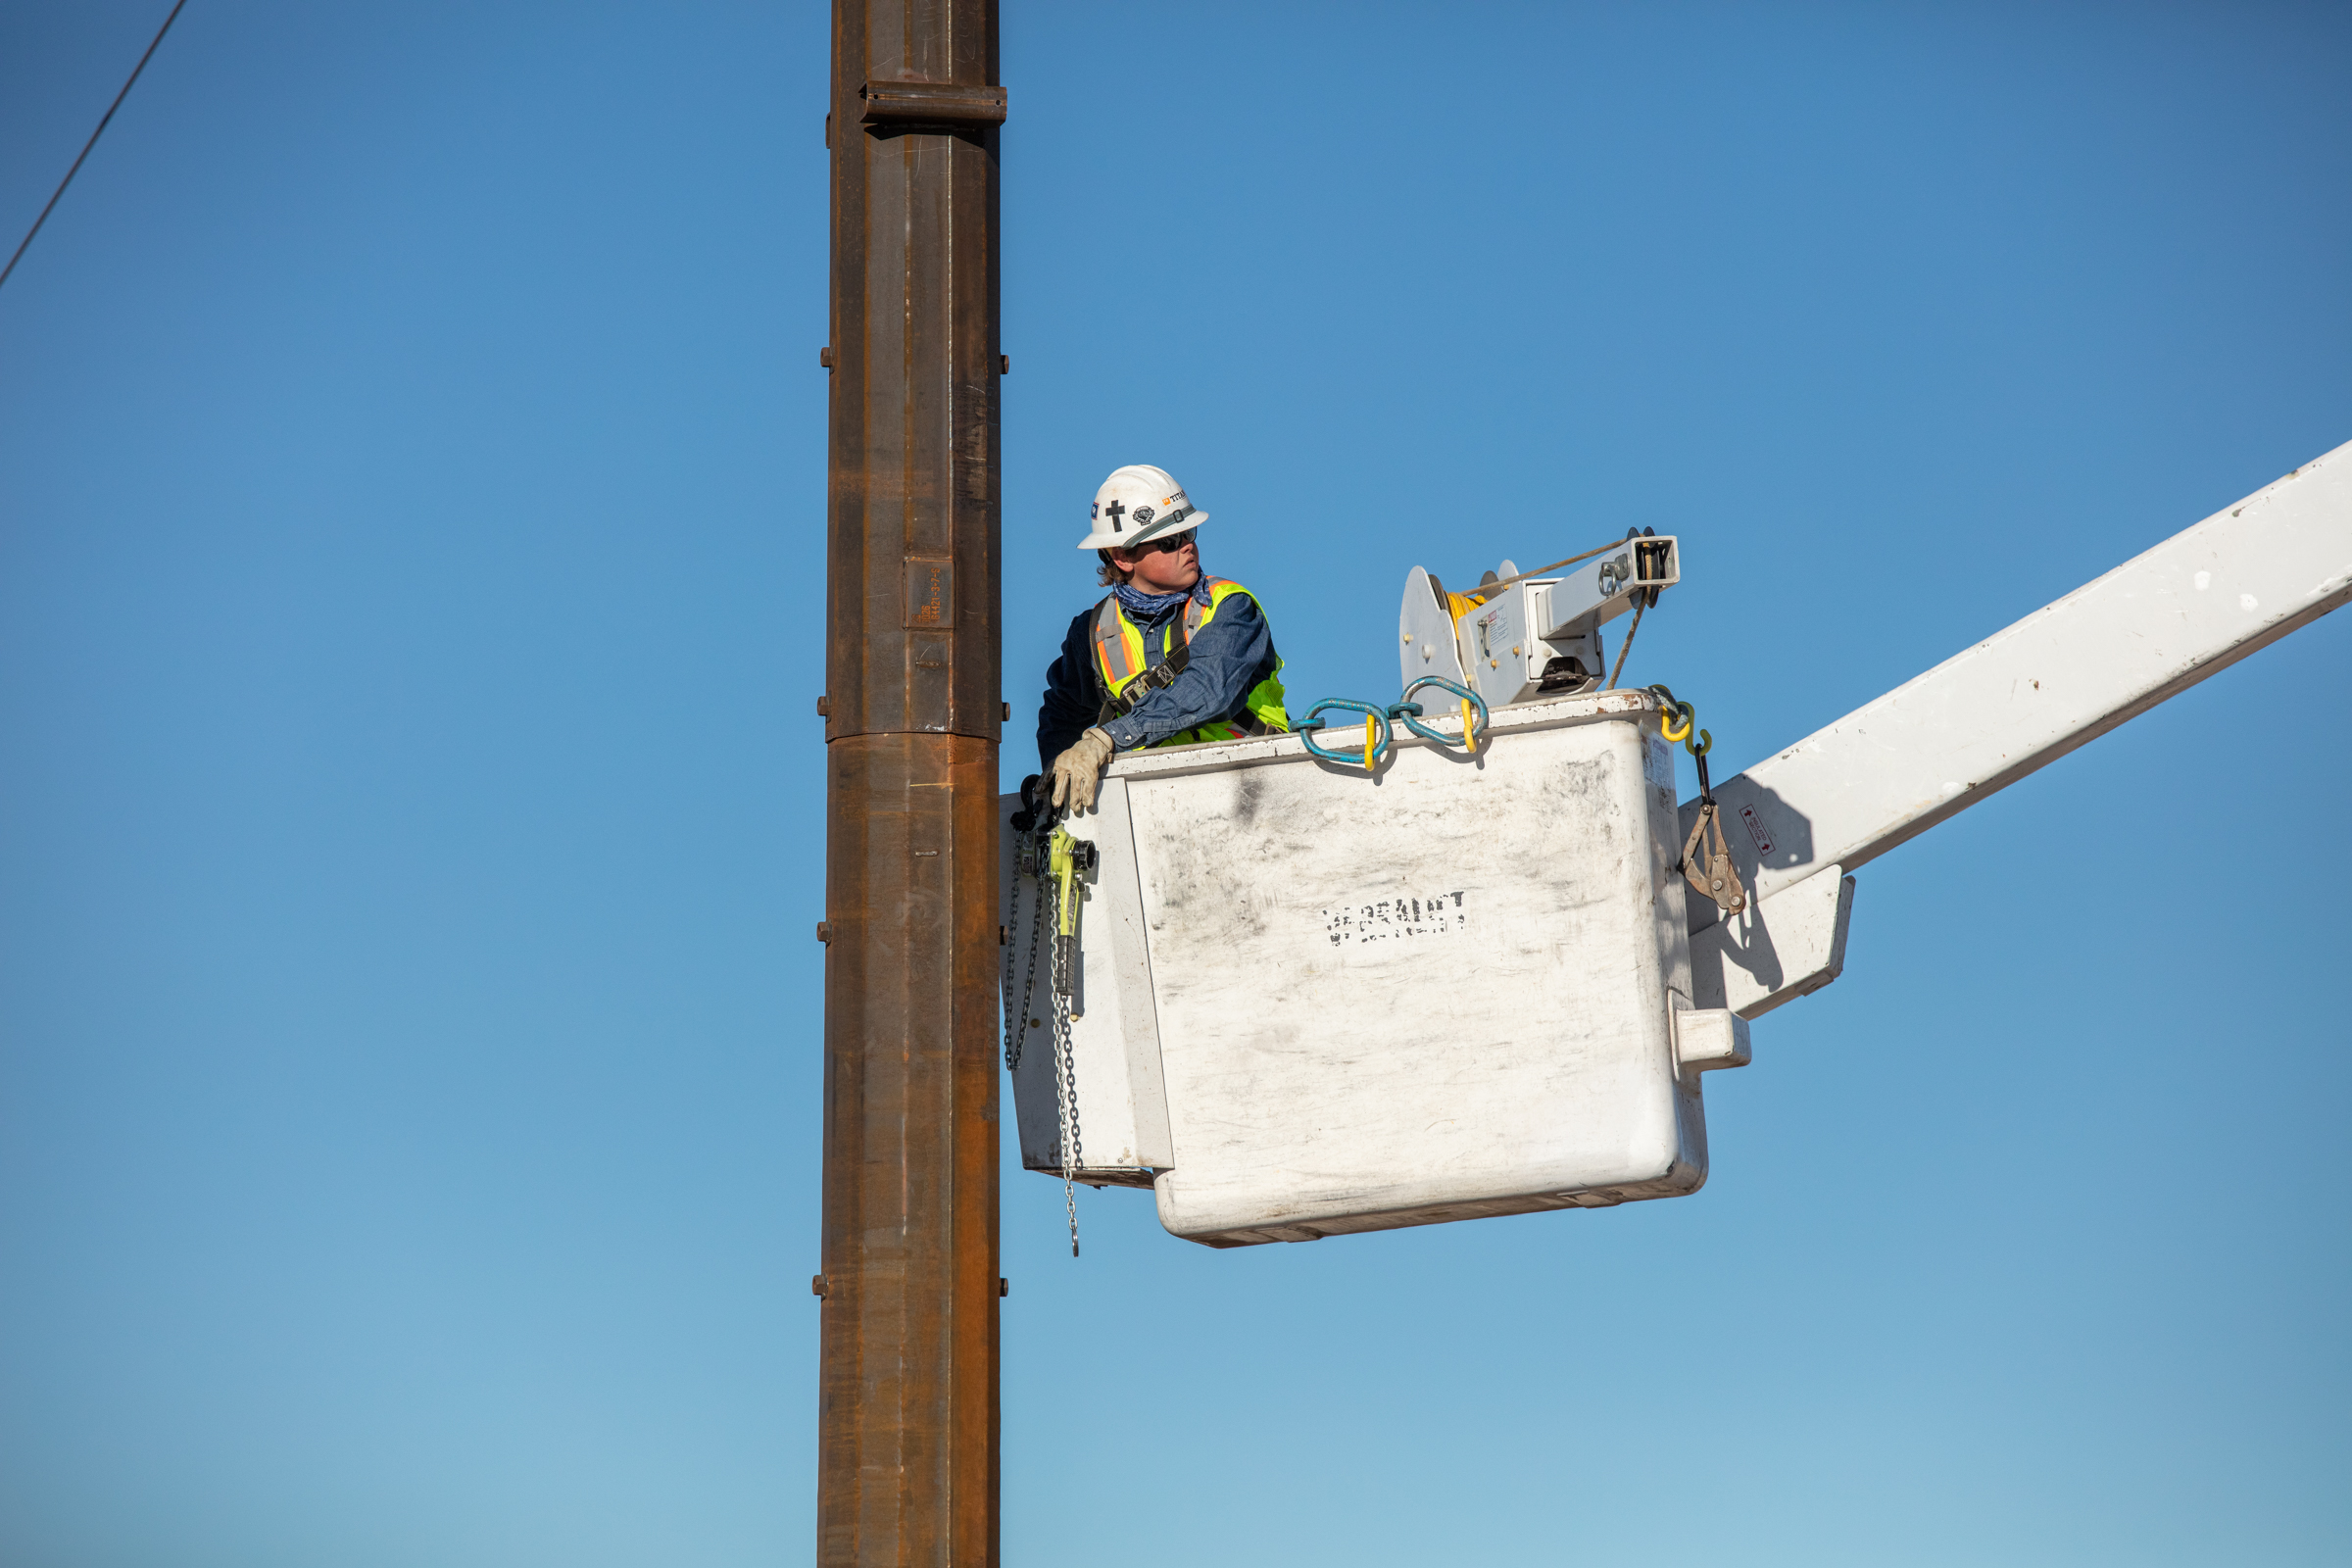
{"x": 930, "y": 103}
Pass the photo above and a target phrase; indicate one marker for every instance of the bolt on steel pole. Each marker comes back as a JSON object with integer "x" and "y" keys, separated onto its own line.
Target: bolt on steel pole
{"x": 908, "y": 1467}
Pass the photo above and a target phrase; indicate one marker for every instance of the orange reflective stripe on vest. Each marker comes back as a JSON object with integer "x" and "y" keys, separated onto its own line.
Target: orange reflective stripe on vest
{"x": 1119, "y": 646}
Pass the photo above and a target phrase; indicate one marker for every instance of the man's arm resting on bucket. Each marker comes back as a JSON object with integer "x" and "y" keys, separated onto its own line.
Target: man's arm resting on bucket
{"x": 1228, "y": 655}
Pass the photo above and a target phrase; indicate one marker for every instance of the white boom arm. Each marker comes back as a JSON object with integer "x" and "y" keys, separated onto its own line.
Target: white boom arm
{"x": 1985, "y": 719}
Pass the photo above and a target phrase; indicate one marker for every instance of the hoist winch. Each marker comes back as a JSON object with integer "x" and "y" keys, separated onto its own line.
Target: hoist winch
{"x": 1518, "y": 636}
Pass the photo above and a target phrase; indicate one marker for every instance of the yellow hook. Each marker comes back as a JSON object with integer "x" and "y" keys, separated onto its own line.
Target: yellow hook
{"x": 1371, "y": 728}
{"x": 1469, "y": 737}
{"x": 1666, "y": 725}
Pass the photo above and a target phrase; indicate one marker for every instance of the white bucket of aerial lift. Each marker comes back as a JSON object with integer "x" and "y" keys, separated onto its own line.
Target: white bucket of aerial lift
{"x": 1135, "y": 504}
{"x": 1311, "y": 1001}
{"x": 1538, "y": 637}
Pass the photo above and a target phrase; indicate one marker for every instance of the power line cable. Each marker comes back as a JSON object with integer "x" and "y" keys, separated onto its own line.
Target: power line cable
{"x": 92, "y": 142}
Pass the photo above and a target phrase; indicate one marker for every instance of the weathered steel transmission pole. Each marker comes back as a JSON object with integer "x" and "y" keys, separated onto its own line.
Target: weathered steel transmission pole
{"x": 907, "y": 1472}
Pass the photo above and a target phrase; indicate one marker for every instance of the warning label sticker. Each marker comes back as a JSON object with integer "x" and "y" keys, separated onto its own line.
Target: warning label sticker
{"x": 1657, "y": 762}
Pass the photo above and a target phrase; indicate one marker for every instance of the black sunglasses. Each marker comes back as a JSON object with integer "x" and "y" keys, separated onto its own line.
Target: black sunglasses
{"x": 1168, "y": 546}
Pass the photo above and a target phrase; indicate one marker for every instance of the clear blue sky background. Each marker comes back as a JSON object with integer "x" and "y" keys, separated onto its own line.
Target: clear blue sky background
{"x": 411, "y": 501}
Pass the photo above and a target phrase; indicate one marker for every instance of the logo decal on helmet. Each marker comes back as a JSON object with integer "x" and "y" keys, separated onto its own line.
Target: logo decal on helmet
{"x": 1143, "y": 515}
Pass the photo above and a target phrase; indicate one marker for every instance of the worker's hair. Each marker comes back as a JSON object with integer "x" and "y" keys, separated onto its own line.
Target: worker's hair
{"x": 1111, "y": 575}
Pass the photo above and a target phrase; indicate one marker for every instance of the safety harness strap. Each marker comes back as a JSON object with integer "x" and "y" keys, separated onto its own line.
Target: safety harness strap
{"x": 1158, "y": 678}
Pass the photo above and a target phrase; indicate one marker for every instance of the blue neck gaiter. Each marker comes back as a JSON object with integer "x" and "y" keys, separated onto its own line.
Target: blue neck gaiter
{"x": 1148, "y": 608}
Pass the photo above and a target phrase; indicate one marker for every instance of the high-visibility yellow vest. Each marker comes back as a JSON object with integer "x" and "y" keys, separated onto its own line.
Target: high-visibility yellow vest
{"x": 1119, "y": 661}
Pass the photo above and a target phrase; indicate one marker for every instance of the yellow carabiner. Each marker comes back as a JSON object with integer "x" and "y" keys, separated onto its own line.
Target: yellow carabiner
{"x": 1469, "y": 736}
{"x": 1666, "y": 725}
{"x": 1370, "y": 729}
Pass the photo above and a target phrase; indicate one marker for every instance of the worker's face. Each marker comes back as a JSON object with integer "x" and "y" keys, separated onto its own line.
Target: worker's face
{"x": 1159, "y": 570}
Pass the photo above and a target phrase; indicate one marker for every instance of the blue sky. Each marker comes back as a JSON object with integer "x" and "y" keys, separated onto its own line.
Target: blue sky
{"x": 411, "y": 501}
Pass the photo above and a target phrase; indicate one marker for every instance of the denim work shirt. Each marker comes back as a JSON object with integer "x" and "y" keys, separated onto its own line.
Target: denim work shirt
{"x": 1230, "y": 656}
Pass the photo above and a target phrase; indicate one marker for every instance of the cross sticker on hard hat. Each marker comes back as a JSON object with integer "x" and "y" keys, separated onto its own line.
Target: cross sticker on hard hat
{"x": 1116, "y": 510}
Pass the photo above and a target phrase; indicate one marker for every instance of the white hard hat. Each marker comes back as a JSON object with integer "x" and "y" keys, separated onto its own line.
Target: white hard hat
{"x": 1138, "y": 502}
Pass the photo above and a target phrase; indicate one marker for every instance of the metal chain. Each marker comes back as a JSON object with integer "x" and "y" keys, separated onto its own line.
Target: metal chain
{"x": 1044, "y": 912}
{"x": 1012, "y": 923}
{"x": 1065, "y": 1076}
{"x": 1016, "y": 1023}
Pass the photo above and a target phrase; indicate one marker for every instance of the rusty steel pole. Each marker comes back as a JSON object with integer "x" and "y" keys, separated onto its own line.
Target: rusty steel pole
{"x": 907, "y": 1427}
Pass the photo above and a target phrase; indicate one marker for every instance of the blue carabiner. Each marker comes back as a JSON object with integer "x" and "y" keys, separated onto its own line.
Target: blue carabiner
{"x": 1470, "y": 699}
{"x": 1375, "y": 720}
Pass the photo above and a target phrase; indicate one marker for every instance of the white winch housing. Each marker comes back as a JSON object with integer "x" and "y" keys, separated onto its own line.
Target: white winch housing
{"x": 1516, "y": 641}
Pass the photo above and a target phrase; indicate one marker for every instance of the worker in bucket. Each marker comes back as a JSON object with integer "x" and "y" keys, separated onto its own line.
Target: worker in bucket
{"x": 1168, "y": 658}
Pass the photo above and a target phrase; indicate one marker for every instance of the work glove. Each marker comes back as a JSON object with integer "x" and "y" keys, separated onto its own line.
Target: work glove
{"x": 1079, "y": 770}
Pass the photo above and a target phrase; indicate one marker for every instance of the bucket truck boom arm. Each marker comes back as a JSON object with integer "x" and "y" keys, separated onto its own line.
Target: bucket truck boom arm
{"x": 1985, "y": 718}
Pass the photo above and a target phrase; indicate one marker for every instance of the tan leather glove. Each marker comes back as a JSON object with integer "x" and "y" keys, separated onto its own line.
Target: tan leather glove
{"x": 1078, "y": 770}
